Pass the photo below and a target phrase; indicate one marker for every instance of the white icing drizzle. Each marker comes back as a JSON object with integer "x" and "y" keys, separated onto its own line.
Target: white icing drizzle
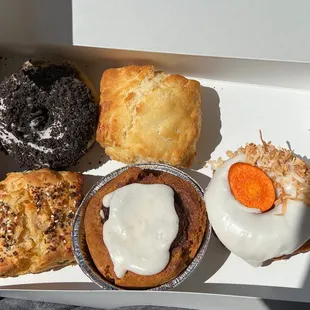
{"x": 42, "y": 149}
{"x": 45, "y": 134}
{"x": 2, "y": 107}
{"x": 10, "y": 138}
{"x": 141, "y": 227}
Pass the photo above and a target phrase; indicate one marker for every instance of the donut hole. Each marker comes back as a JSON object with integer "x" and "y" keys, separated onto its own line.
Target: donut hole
{"x": 38, "y": 119}
{"x": 32, "y": 119}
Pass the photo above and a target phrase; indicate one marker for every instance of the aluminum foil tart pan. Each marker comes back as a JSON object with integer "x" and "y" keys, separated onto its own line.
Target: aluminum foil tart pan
{"x": 80, "y": 248}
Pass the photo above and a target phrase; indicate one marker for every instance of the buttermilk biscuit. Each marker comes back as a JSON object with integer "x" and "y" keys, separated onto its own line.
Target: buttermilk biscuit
{"x": 149, "y": 116}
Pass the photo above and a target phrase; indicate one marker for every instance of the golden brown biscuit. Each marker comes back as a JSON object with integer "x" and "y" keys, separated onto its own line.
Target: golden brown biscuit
{"x": 149, "y": 116}
{"x": 36, "y": 213}
{"x": 191, "y": 211}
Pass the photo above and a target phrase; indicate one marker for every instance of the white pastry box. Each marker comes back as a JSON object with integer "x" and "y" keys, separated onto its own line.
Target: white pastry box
{"x": 252, "y": 60}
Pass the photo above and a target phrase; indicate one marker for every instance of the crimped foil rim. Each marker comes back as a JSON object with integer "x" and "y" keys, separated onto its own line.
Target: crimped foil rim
{"x": 80, "y": 249}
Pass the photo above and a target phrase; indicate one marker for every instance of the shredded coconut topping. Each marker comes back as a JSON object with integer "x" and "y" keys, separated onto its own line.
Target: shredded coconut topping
{"x": 290, "y": 174}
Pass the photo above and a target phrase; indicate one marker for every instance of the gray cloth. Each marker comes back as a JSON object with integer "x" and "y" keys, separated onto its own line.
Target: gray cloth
{"x": 18, "y": 304}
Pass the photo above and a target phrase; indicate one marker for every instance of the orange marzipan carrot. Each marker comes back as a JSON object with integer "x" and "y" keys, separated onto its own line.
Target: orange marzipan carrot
{"x": 251, "y": 186}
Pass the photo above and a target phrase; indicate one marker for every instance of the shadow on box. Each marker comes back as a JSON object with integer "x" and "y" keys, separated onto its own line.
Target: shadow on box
{"x": 8, "y": 164}
{"x": 210, "y": 136}
{"x": 36, "y": 21}
{"x": 93, "y": 159}
{"x": 216, "y": 254}
{"x": 55, "y": 286}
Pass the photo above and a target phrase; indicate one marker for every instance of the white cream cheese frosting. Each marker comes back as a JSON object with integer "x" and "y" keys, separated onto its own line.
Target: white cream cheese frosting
{"x": 255, "y": 237}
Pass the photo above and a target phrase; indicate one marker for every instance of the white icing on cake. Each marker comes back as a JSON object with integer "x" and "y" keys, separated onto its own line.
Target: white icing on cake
{"x": 141, "y": 227}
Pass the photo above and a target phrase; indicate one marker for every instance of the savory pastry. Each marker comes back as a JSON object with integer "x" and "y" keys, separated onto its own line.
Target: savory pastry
{"x": 144, "y": 227}
{"x": 48, "y": 115}
{"x": 258, "y": 203}
{"x": 36, "y": 213}
{"x": 149, "y": 116}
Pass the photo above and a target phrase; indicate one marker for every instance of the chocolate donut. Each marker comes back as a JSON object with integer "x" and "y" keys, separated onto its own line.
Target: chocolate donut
{"x": 48, "y": 115}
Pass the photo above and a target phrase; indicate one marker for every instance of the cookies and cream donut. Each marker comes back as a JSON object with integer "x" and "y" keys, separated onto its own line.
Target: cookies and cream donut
{"x": 258, "y": 203}
{"x": 48, "y": 115}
